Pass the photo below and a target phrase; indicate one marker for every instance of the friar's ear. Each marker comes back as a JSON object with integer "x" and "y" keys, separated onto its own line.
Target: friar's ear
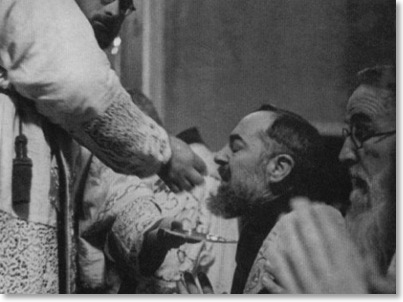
{"x": 279, "y": 167}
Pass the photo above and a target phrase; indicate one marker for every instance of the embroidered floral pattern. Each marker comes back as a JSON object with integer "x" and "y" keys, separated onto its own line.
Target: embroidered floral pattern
{"x": 28, "y": 257}
{"x": 190, "y": 209}
{"x": 133, "y": 142}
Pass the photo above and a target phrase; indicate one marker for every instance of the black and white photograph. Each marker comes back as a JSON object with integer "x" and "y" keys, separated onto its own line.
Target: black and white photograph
{"x": 236, "y": 147}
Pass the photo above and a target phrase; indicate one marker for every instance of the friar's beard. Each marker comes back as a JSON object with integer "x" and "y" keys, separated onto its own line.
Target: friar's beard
{"x": 232, "y": 202}
{"x": 372, "y": 223}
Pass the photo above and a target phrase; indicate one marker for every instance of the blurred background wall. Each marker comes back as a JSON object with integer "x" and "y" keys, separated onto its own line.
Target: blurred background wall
{"x": 210, "y": 62}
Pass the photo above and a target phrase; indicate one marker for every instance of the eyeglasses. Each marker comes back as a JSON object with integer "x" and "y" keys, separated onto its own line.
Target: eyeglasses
{"x": 126, "y": 7}
{"x": 360, "y": 137}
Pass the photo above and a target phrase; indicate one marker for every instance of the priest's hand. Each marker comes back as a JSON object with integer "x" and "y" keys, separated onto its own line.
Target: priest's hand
{"x": 184, "y": 170}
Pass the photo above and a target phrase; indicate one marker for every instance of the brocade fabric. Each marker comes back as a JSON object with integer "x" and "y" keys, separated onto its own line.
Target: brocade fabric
{"x": 28, "y": 257}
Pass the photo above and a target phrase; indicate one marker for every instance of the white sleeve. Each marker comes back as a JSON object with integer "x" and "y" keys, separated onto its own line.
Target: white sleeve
{"x": 51, "y": 56}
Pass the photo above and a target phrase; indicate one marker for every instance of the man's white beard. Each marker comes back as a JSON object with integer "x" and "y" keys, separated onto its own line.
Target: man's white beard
{"x": 373, "y": 227}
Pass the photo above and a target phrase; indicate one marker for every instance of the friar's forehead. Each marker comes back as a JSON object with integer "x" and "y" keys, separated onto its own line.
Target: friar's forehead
{"x": 255, "y": 122}
{"x": 372, "y": 101}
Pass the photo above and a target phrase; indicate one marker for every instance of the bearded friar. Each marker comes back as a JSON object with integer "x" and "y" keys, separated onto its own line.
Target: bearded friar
{"x": 272, "y": 156}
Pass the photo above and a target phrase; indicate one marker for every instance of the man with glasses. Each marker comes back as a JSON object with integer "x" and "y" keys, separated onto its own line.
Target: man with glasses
{"x": 359, "y": 257}
{"x": 369, "y": 151}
